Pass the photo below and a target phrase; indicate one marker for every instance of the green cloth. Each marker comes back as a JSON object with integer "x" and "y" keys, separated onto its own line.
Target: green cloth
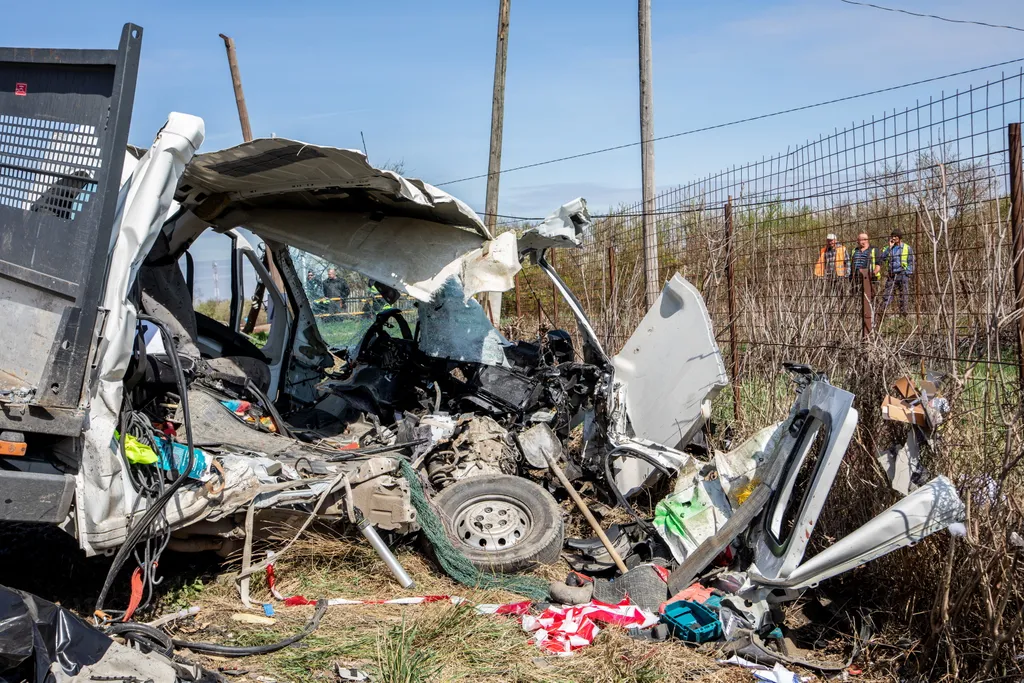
{"x": 137, "y": 452}
{"x": 672, "y": 510}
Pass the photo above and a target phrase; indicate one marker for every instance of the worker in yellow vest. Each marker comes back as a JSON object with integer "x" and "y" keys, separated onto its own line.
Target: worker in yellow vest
{"x": 899, "y": 260}
{"x": 832, "y": 264}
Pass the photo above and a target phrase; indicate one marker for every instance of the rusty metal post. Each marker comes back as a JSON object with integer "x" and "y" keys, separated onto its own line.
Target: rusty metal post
{"x": 730, "y": 258}
{"x": 519, "y": 303}
{"x": 1017, "y": 228}
{"x": 867, "y": 297}
{"x": 554, "y": 293}
{"x": 613, "y": 297}
{"x": 236, "y": 81}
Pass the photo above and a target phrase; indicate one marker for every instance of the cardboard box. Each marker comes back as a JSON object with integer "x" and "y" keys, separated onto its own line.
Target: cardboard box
{"x": 902, "y": 410}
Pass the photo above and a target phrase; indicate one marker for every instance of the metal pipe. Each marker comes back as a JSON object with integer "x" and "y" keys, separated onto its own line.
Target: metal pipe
{"x": 384, "y": 552}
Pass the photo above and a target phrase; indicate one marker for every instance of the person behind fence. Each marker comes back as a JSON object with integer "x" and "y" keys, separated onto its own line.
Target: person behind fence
{"x": 899, "y": 260}
{"x": 864, "y": 257}
{"x": 335, "y": 289}
{"x": 832, "y": 262}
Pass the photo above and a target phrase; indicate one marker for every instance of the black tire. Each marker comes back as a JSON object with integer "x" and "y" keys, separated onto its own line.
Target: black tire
{"x": 529, "y": 509}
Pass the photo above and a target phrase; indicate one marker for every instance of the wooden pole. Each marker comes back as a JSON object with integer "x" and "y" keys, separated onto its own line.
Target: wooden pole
{"x": 730, "y": 259}
{"x": 1017, "y": 230}
{"x": 650, "y": 235}
{"x": 497, "y": 116}
{"x": 243, "y": 119}
{"x": 236, "y": 82}
{"x": 492, "y": 300}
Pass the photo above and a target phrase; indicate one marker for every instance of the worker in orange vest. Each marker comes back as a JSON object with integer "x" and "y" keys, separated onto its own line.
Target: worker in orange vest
{"x": 832, "y": 261}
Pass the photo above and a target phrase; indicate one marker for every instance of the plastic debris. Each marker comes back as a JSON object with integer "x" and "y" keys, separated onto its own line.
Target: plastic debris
{"x": 692, "y": 622}
{"x": 255, "y": 619}
{"x": 562, "y": 630}
{"x": 694, "y": 593}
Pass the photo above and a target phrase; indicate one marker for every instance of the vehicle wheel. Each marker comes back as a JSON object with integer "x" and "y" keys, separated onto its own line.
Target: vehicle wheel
{"x": 502, "y": 523}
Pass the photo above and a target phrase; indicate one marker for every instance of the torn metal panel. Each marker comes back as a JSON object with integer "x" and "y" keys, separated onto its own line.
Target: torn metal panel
{"x": 820, "y": 430}
{"x": 492, "y": 268}
{"x": 737, "y": 468}
{"x": 687, "y": 518}
{"x": 665, "y": 376}
{"x": 931, "y": 508}
{"x": 671, "y": 366}
{"x": 455, "y": 327}
{"x": 103, "y": 494}
{"x": 411, "y": 255}
{"x": 902, "y": 463}
{"x": 277, "y": 173}
{"x": 564, "y": 228}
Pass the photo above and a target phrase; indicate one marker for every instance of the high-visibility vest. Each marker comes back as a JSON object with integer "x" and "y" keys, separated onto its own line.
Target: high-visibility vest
{"x": 904, "y": 256}
{"x": 819, "y": 267}
{"x": 874, "y": 253}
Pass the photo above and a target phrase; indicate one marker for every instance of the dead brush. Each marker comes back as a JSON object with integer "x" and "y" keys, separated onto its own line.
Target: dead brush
{"x": 953, "y": 606}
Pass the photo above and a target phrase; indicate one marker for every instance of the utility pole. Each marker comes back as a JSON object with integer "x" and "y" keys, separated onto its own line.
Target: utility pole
{"x": 492, "y": 300}
{"x": 647, "y": 154}
{"x": 236, "y": 82}
{"x": 497, "y": 117}
{"x": 243, "y": 119}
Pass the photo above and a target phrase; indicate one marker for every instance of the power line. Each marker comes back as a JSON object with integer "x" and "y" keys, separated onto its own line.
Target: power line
{"x": 733, "y": 123}
{"x": 932, "y": 16}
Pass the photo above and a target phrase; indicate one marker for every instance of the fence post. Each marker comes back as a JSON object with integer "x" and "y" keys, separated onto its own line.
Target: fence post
{"x": 519, "y": 303}
{"x": 1017, "y": 228}
{"x": 731, "y": 283}
{"x": 867, "y": 296}
{"x": 613, "y": 297}
{"x": 554, "y": 292}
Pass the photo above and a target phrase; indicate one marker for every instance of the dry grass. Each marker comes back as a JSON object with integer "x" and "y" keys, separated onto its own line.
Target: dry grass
{"x": 429, "y": 642}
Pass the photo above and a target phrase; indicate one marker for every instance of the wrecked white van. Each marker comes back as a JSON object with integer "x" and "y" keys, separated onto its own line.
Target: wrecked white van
{"x": 129, "y": 418}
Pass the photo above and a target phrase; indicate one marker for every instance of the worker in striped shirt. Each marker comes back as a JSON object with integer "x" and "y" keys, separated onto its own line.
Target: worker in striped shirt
{"x": 865, "y": 256}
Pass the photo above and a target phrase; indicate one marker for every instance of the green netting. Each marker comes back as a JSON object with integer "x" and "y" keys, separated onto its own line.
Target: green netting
{"x": 452, "y": 560}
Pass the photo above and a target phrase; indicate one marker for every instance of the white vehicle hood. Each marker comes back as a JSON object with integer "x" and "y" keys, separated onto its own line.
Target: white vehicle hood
{"x": 331, "y": 202}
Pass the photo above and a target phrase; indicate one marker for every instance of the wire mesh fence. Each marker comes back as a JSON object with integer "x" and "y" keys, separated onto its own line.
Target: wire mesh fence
{"x": 753, "y": 239}
{"x": 936, "y": 173}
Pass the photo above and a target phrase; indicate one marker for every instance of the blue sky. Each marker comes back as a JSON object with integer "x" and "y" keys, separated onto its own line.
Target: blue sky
{"x": 415, "y": 77}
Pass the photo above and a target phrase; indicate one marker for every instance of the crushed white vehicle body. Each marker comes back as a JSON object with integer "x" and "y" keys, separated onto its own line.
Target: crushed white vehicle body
{"x": 463, "y": 399}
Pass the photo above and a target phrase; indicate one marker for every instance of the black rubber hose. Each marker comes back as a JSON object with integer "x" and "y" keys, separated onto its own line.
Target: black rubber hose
{"x": 148, "y": 638}
{"x": 619, "y": 497}
{"x": 232, "y": 651}
{"x": 138, "y": 530}
{"x": 282, "y": 426}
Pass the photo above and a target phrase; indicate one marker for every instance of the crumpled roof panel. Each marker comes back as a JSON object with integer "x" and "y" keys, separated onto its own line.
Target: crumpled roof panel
{"x": 278, "y": 173}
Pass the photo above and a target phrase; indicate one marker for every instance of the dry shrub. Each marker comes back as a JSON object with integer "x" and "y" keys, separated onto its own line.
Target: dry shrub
{"x": 952, "y": 607}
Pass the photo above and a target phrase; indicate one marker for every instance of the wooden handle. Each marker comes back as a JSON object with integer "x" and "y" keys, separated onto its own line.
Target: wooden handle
{"x": 586, "y": 513}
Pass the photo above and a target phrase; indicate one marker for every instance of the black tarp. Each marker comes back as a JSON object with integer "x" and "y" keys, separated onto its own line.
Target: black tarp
{"x": 35, "y": 634}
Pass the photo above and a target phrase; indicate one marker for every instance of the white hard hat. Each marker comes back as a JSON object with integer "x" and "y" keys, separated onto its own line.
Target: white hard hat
{"x": 830, "y": 236}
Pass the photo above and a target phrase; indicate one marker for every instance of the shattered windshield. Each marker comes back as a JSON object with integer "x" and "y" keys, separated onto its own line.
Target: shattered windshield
{"x": 346, "y": 303}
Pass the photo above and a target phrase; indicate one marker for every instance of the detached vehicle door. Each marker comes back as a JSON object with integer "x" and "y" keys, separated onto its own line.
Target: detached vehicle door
{"x": 64, "y": 117}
